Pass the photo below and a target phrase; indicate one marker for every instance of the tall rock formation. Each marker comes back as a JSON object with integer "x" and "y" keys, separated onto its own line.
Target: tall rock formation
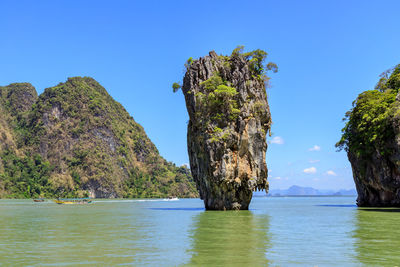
{"x": 76, "y": 140}
{"x": 229, "y": 118}
{"x": 371, "y": 139}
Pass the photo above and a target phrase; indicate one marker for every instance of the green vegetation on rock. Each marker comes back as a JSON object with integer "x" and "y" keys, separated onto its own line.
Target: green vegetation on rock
{"x": 369, "y": 123}
{"x": 75, "y": 140}
{"x": 218, "y": 102}
{"x": 25, "y": 177}
{"x": 176, "y": 87}
{"x": 256, "y": 61}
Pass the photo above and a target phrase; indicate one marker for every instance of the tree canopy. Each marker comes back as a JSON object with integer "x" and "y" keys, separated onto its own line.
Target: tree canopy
{"x": 369, "y": 124}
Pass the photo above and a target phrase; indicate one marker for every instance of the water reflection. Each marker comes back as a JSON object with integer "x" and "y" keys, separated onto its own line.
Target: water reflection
{"x": 377, "y": 237}
{"x": 230, "y": 238}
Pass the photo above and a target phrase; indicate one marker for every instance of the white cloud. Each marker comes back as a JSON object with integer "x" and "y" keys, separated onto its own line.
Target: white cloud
{"x": 280, "y": 178}
{"x": 330, "y": 172}
{"x": 277, "y": 140}
{"x": 314, "y": 161}
{"x": 310, "y": 170}
{"x": 315, "y": 148}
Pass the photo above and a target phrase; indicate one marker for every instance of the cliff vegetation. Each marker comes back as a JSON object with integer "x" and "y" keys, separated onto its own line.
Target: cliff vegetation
{"x": 74, "y": 140}
{"x": 369, "y": 122}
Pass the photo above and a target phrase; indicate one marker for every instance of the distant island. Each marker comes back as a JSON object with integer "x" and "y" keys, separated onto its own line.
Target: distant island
{"x": 296, "y": 190}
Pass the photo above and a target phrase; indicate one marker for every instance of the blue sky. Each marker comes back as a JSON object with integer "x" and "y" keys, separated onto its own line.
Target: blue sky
{"x": 327, "y": 52}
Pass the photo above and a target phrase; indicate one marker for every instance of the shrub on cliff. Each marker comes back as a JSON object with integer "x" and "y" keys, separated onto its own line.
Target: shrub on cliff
{"x": 369, "y": 123}
{"x": 256, "y": 61}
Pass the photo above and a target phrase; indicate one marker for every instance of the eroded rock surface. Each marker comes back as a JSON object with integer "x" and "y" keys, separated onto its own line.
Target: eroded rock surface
{"x": 229, "y": 119}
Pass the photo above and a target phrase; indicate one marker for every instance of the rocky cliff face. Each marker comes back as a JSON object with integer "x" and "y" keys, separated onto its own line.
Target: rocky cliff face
{"x": 229, "y": 119}
{"x": 371, "y": 138}
{"x": 377, "y": 179}
{"x": 76, "y": 140}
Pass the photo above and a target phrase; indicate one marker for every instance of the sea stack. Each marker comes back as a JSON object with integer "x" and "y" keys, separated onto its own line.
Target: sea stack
{"x": 229, "y": 118}
{"x": 371, "y": 139}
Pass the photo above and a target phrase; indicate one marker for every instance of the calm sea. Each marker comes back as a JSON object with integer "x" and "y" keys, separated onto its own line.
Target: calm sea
{"x": 277, "y": 231}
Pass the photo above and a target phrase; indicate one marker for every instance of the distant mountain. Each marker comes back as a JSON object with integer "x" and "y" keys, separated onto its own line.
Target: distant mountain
{"x": 296, "y": 190}
{"x": 350, "y": 192}
{"x": 301, "y": 191}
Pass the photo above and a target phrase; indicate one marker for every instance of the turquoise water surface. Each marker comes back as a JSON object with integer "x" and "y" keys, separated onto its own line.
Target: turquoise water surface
{"x": 276, "y": 231}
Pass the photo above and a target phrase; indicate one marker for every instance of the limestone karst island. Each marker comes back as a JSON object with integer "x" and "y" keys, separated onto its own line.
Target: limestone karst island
{"x": 371, "y": 139}
{"x": 229, "y": 115}
{"x": 75, "y": 140}
{"x": 200, "y": 133}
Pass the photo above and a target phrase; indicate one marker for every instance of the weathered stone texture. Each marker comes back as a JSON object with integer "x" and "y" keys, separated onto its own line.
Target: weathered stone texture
{"x": 228, "y": 164}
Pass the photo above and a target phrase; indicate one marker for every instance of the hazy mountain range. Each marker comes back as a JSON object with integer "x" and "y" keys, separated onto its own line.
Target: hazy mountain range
{"x": 296, "y": 190}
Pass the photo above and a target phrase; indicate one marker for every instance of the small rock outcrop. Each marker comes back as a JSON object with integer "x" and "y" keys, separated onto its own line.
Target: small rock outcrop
{"x": 229, "y": 118}
{"x": 371, "y": 139}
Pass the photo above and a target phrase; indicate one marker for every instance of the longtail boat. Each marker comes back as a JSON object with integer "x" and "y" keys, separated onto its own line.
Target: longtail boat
{"x": 38, "y": 200}
{"x": 73, "y": 201}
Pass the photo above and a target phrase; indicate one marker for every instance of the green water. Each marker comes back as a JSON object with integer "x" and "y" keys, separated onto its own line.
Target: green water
{"x": 314, "y": 231}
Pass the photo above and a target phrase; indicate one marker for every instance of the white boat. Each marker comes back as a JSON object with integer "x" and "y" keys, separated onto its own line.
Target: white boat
{"x": 171, "y": 199}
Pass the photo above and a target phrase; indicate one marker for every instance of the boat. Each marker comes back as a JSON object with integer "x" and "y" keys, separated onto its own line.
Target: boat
{"x": 172, "y": 198}
{"x": 73, "y": 201}
{"x": 38, "y": 200}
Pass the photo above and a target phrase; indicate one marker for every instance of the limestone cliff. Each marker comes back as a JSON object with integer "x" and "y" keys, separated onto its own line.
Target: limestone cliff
{"x": 229, "y": 119}
{"x": 371, "y": 138}
{"x": 76, "y": 140}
